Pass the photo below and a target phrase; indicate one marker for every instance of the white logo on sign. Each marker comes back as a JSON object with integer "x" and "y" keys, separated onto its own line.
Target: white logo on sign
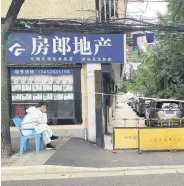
{"x": 18, "y": 49}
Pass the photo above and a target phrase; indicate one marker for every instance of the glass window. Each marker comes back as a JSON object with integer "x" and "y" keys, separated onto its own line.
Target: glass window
{"x": 182, "y": 105}
{"x": 147, "y": 101}
{"x": 166, "y": 105}
{"x": 60, "y": 88}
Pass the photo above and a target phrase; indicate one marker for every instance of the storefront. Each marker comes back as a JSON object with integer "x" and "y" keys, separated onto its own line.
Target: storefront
{"x": 60, "y": 70}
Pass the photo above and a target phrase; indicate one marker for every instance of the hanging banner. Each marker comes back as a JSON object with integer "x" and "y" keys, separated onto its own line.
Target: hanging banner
{"x": 65, "y": 48}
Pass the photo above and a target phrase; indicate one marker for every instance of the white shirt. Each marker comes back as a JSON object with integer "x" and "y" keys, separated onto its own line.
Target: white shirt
{"x": 33, "y": 118}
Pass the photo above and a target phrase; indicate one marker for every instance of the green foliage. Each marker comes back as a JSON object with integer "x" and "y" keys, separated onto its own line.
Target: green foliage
{"x": 176, "y": 12}
{"x": 127, "y": 87}
{"x": 162, "y": 71}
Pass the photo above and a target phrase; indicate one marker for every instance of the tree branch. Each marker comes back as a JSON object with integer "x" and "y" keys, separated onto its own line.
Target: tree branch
{"x": 11, "y": 16}
{"x": 14, "y": 9}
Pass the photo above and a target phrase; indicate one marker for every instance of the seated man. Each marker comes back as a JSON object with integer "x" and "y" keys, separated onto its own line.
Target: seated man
{"x": 37, "y": 118}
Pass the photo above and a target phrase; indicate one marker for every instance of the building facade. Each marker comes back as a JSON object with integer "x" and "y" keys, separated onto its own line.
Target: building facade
{"x": 61, "y": 68}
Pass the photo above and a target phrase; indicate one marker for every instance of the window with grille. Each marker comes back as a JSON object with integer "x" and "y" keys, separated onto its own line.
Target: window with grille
{"x": 106, "y": 9}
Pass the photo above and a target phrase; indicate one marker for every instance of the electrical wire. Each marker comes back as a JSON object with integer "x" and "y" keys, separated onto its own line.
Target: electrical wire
{"x": 115, "y": 26}
{"x": 144, "y": 11}
{"x": 180, "y": 4}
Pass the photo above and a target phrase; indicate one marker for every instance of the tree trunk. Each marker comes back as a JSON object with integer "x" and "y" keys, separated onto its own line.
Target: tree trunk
{"x": 6, "y": 147}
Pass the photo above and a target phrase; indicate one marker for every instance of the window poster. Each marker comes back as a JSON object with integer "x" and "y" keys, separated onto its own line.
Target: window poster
{"x": 27, "y": 96}
{"x": 60, "y": 79}
{"x": 47, "y": 87}
{"x": 55, "y": 79}
{"x": 37, "y": 96}
{"x": 16, "y": 87}
{"x": 16, "y": 97}
{"x": 23, "y": 79}
{"x": 31, "y": 82}
{"x": 68, "y": 96}
{"x": 47, "y": 80}
{"x": 14, "y": 79}
{"x": 47, "y": 96}
{"x": 67, "y": 79}
{"x": 26, "y": 87}
{"x": 67, "y": 88}
{"x": 36, "y": 88}
{"x": 42, "y": 79}
{"x": 19, "y": 79}
{"x": 58, "y": 96}
{"x": 57, "y": 88}
{"x": 38, "y": 79}
{"x": 28, "y": 79}
{"x": 19, "y": 111}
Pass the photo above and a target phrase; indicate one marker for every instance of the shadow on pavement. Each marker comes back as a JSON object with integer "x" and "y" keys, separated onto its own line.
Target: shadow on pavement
{"x": 80, "y": 153}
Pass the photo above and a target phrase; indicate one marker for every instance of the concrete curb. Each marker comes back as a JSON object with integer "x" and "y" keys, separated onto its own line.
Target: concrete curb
{"x": 50, "y": 169}
{"x": 60, "y": 172}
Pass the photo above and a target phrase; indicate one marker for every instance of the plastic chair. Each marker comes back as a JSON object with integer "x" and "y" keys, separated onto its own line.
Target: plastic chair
{"x": 25, "y": 139}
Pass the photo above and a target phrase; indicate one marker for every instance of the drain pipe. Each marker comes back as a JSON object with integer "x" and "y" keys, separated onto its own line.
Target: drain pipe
{"x": 86, "y": 134}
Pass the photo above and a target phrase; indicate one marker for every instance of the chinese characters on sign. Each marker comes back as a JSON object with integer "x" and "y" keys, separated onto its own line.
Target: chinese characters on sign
{"x": 40, "y": 72}
{"x": 161, "y": 139}
{"x": 68, "y": 48}
{"x": 82, "y": 46}
{"x": 130, "y": 137}
{"x": 166, "y": 139}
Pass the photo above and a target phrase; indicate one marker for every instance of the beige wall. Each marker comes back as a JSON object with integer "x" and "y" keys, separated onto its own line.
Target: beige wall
{"x": 39, "y": 9}
{"x": 121, "y": 8}
{"x": 84, "y": 96}
{"x": 57, "y": 9}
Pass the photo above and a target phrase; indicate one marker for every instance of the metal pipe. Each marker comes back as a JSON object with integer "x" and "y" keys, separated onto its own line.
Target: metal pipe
{"x": 114, "y": 8}
{"x": 100, "y": 11}
{"x": 110, "y": 9}
{"x": 105, "y": 10}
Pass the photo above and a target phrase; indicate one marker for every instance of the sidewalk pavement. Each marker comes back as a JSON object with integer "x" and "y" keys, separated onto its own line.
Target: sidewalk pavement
{"x": 30, "y": 158}
{"x": 125, "y": 111}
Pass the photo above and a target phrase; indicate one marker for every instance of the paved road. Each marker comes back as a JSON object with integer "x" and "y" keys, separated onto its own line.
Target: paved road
{"x": 143, "y": 180}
